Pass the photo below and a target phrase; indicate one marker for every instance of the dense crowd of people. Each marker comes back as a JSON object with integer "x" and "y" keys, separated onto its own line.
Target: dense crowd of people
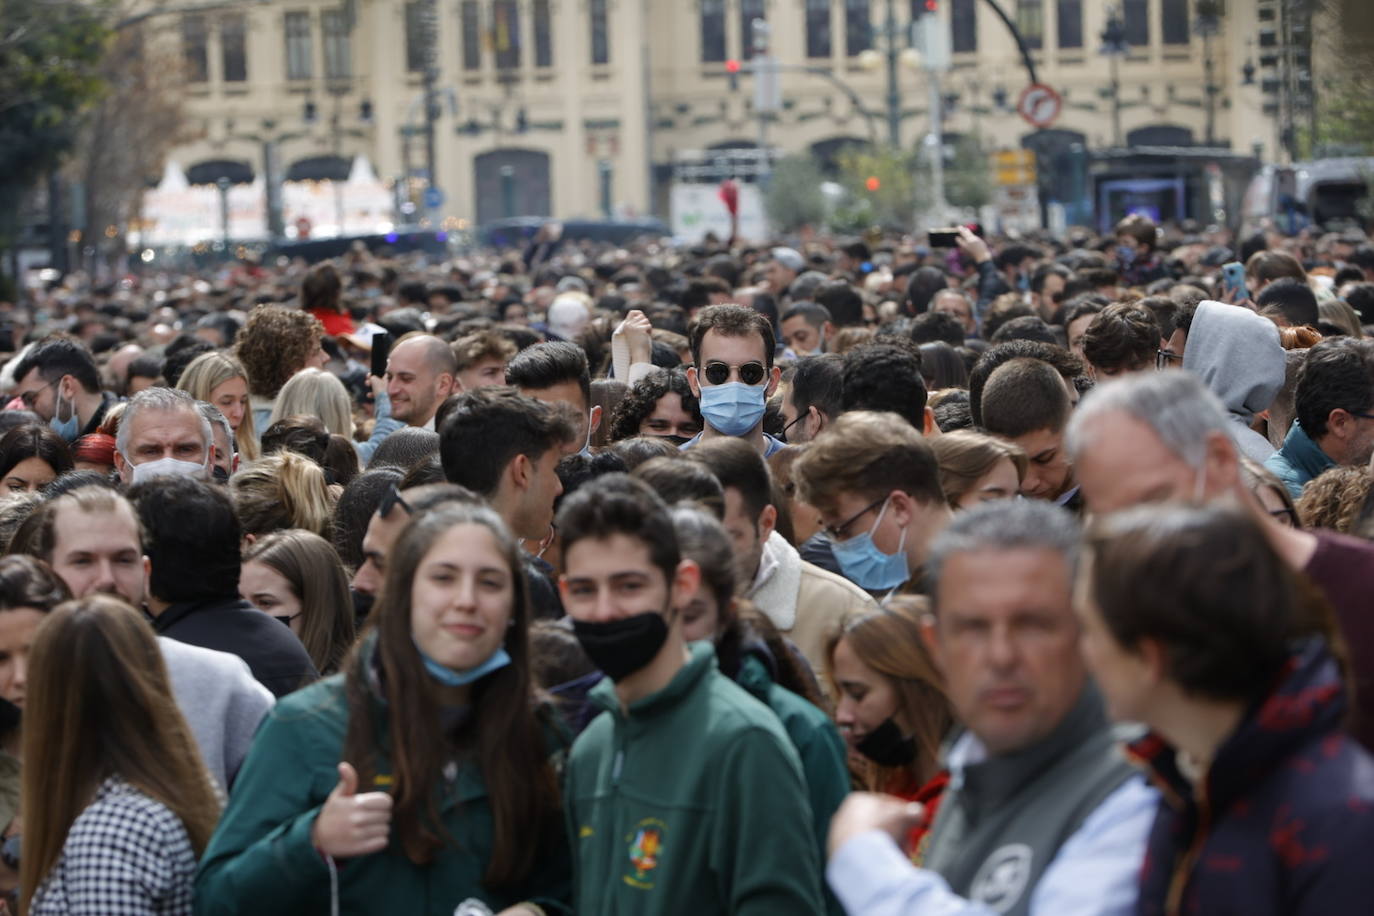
{"x": 1025, "y": 576}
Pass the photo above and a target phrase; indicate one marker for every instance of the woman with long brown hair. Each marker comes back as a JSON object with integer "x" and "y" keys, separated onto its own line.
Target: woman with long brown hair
{"x": 891, "y": 705}
{"x": 117, "y": 803}
{"x": 296, "y": 576}
{"x": 425, "y": 766}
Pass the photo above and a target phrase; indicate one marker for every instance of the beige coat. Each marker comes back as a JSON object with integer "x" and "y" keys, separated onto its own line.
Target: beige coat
{"x": 806, "y": 603}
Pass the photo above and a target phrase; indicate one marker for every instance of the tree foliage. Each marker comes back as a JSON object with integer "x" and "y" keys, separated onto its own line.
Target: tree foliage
{"x": 126, "y": 135}
{"x": 50, "y": 52}
{"x": 968, "y": 174}
{"x": 794, "y": 197}
{"x": 885, "y": 187}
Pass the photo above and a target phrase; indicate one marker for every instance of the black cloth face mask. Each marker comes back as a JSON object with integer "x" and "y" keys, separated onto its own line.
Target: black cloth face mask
{"x": 622, "y": 647}
{"x": 886, "y": 746}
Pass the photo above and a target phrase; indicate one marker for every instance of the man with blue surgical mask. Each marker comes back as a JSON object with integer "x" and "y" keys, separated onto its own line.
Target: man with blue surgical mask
{"x": 163, "y": 433}
{"x": 733, "y": 375}
{"x": 58, "y": 381}
{"x": 876, "y": 484}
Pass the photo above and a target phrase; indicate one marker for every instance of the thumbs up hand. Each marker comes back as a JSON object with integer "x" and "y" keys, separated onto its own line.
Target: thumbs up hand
{"x": 350, "y": 824}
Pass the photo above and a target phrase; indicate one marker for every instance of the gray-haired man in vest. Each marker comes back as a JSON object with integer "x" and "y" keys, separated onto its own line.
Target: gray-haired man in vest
{"x": 1042, "y": 815}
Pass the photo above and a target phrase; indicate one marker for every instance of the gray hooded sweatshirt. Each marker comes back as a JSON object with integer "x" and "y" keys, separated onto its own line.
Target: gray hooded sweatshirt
{"x": 1237, "y": 354}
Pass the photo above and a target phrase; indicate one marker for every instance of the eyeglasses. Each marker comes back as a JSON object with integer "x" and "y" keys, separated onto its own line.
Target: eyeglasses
{"x": 286, "y": 621}
{"x": 30, "y": 397}
{"x": 837, "y": 532}
{"x": 718, "y": 373}
{"x": 1163, "y": 358}
{"x": 390, "y": 500}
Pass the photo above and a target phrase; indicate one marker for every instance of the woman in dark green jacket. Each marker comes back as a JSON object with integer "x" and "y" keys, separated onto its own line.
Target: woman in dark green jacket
{"x": 421, "y": 778}
{"x": 752, "y": 654}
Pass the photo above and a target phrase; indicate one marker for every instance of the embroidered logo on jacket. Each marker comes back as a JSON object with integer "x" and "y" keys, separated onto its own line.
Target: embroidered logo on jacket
{"x": 1003, "y": 877}
{"x": 645, "y": 847}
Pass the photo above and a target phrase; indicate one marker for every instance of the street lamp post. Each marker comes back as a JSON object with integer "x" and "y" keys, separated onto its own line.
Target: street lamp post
{"x": 223, "y": 184}
{"x": 1207, "y": 25}
{"x": 1114, "y": 47}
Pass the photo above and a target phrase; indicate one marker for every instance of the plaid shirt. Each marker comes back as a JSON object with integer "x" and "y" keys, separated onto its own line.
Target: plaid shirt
{"x": 125, "y": 855}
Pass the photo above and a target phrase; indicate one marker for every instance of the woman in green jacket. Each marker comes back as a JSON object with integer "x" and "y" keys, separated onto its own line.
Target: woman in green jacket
{"x": 420, "y": 779}
{"x": 752, "y": 654}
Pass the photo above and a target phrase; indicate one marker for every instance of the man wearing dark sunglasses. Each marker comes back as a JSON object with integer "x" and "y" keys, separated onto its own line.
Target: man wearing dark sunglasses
{"x": 733, "y": 375}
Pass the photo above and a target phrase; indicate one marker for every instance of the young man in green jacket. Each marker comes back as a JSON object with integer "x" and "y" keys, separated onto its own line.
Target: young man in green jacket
{"x": 685, "y": 795}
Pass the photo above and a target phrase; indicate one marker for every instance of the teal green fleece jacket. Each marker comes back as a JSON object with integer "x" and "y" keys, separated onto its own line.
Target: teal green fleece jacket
{"x": 819, "y": 746}
{"x": 691, "y": 802}
{"x": 261, "y": 860}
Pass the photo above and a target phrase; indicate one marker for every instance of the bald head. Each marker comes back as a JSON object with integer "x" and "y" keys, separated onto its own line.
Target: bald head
{"x": 420, "y": 373}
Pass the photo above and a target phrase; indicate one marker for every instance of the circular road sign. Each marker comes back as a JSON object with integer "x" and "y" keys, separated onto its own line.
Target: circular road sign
{"x": 1039, "y": 105}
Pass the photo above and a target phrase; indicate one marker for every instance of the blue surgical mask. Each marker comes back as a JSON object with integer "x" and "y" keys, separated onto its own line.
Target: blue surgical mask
{"x": 733, "y": 408}
{"x": 69, "y": 428}
{"x": 450, "y": 678}
{"x": 1125, "y": 254}
{"x": 1023, "y": 281}
{"x": 868, "y": 567}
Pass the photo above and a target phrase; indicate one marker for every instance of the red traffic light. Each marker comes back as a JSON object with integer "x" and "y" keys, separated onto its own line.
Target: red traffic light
{"x": 932, "y": 6}
{"x": 732, "y": 66}
{"x": 873, "y": 183}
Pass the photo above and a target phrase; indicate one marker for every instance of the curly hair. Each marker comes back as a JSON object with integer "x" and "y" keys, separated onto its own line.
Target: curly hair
{"x": 640, "y": 400}
{"x": 1334, "y": 499}
{"x": 274, "y": 345}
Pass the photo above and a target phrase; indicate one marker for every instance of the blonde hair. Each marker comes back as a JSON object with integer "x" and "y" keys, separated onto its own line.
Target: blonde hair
{"x": 966, "y": 456}
{"x": 1335, "y": 498}
{"x": 283, "y": 490}
{"x": 316, "y": 393}
{"x": 207, "y": 372}
{"x": 101, "y": 705}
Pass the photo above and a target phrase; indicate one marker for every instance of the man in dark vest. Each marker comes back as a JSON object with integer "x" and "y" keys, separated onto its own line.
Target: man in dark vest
{"x": 1043, "y": 815}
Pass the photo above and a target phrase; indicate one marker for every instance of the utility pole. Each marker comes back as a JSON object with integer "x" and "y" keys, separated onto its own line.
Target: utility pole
{"x": 767, "y": 97}
{"x": 931, "y": 39}
{"x": 894, "y": 97}
{"x": 431, "y": 77}
{"x": 1114, "y": 47}
{"x": 1206, "y": 25}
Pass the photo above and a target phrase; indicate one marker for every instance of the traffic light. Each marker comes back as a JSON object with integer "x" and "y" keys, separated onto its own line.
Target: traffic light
{"x": 873, "y": 183}
{"x": 365, "y": 111}
{"x": 732, "y": 69}
{"x": 921, "y": 8}
{"x": 522, "y": 121}
{"x": 310, "y": 112}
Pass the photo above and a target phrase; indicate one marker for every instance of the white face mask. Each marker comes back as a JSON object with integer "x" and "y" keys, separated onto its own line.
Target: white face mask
{"x": 167, "y": 467}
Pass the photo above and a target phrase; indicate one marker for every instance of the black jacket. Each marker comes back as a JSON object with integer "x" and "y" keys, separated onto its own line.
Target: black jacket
{"x": 1283, "y": 824}
{"x": 230, "y": 624}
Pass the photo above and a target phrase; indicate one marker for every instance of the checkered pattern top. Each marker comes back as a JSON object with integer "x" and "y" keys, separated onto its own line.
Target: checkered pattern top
{"x": 125, "y": 855}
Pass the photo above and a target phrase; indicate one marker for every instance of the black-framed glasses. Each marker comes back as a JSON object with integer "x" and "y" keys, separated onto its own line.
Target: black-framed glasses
{"x": 286, "y": 621}
{"x": 390, "y": 500}
{"x": 718, "y": 373}
{"x": 1165, "y": 358}
{"x": 31, "y": 397}
{"x": 837, "y": 532}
